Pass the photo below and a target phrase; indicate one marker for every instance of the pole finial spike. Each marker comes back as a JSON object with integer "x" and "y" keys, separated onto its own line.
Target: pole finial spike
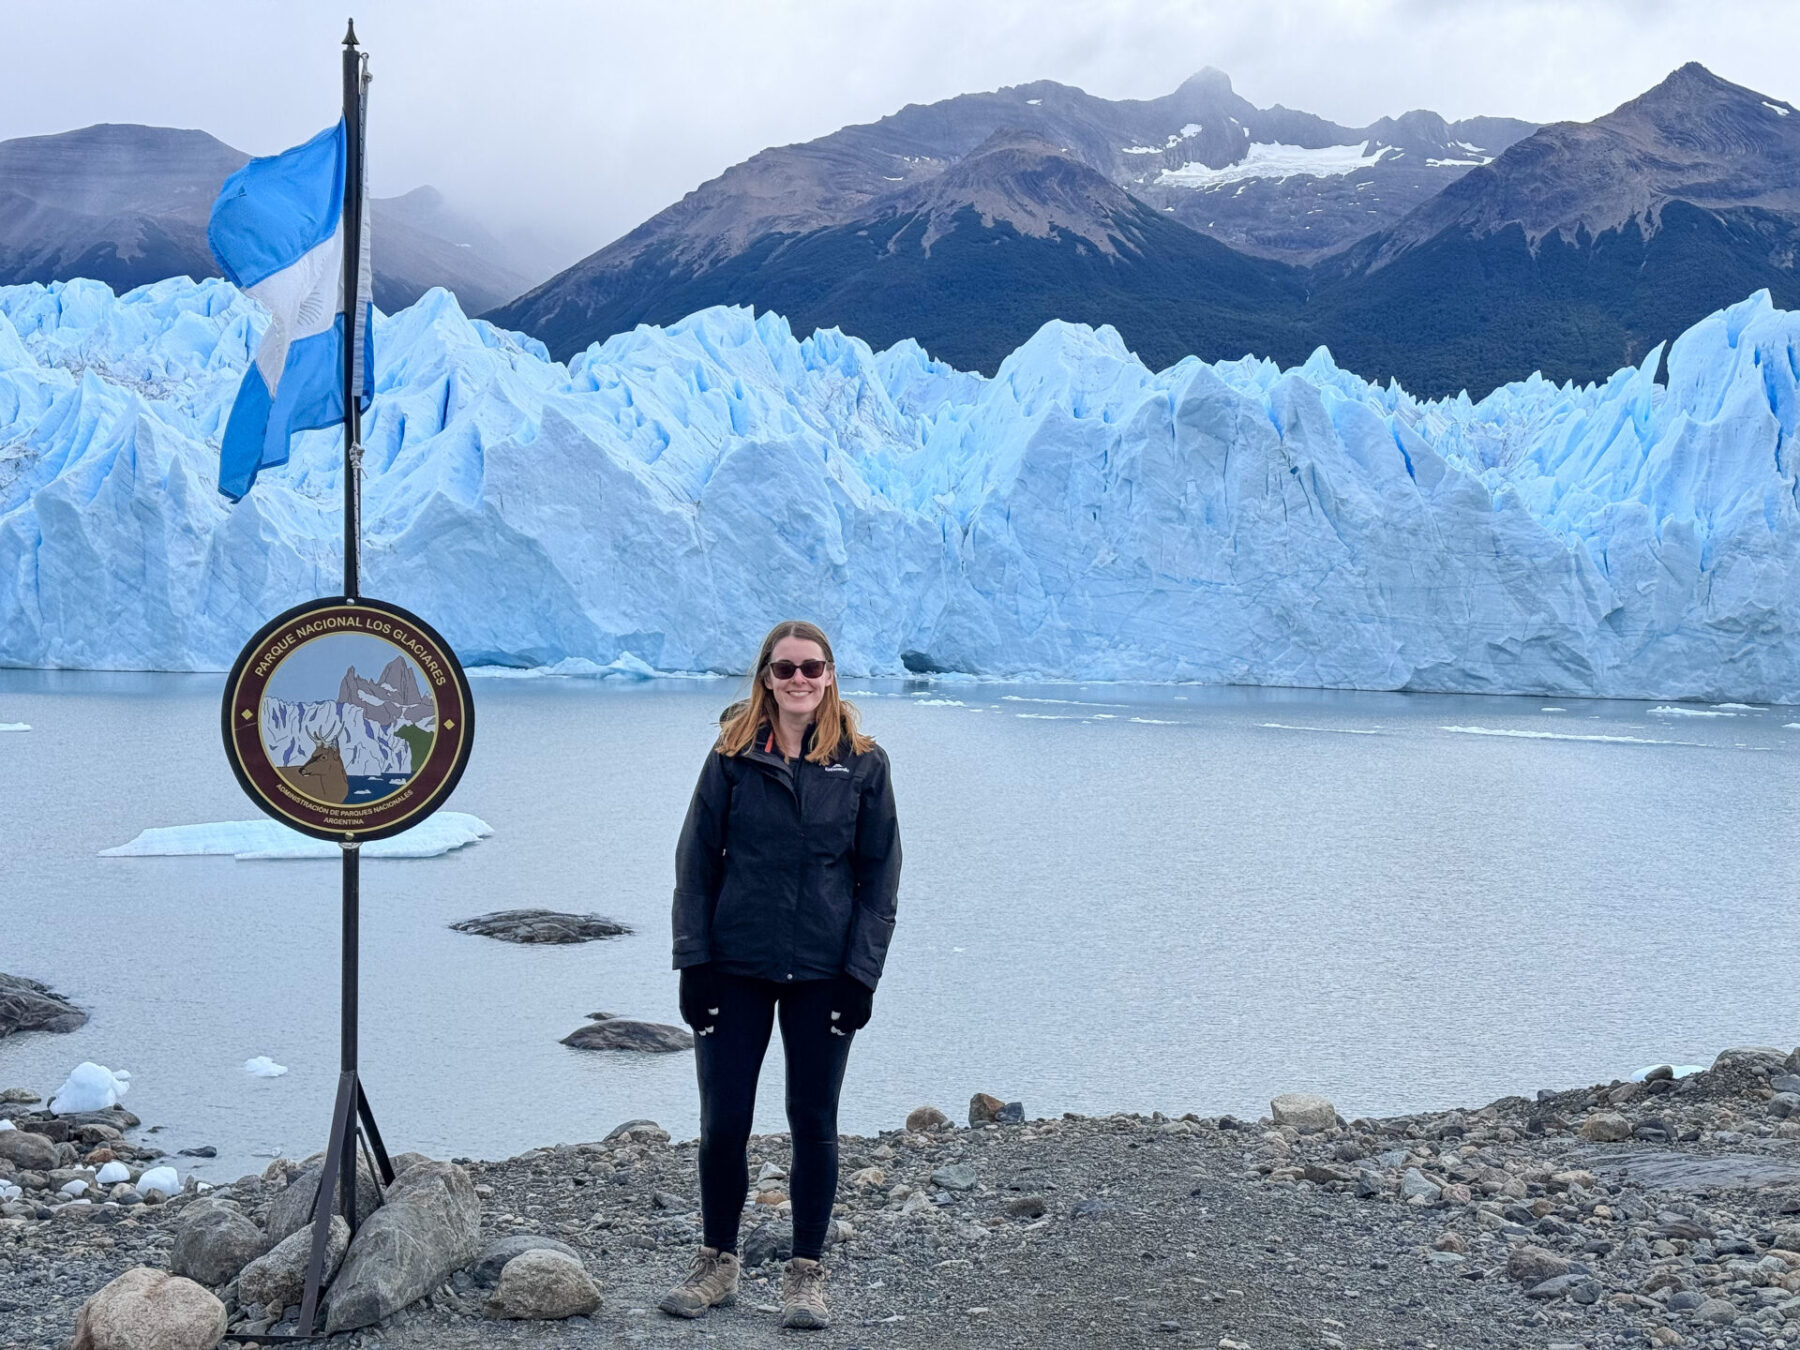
{"x": 350, "y": 34}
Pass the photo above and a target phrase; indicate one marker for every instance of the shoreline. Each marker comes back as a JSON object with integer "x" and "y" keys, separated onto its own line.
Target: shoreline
{"x": 1664, "y": 1212}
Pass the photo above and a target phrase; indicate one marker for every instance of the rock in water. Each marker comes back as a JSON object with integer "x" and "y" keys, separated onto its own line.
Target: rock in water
{"x": 429, "y": 1228}
{"x": 622, "y": 1033}
{"x": 147, "y": 1309}
{"x": 292, "y": 1210}
{"x": 214, "y": 1244}
{"x": 1305, "y": 1111}
{"x": 279, "y": 1276}
{"x": 26, "y": 1005}
{"x": 544, "y": 1285}
{"x": 541, "y": 925}
{"x": 486, "y": 1271}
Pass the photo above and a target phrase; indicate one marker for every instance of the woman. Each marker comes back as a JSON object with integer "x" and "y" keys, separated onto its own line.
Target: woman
{"x": 785, "y": 881}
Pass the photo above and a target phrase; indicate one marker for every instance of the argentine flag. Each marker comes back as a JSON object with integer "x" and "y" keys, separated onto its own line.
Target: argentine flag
{"x": 277, "y": 231}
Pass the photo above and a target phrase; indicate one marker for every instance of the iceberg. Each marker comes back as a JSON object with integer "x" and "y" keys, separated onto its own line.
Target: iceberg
{"x": 255, "y": 840}
{"x": 659, "y": 501}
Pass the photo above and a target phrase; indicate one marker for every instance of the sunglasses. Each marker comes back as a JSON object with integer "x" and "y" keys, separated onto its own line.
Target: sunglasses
{"x": 784, "y": 670}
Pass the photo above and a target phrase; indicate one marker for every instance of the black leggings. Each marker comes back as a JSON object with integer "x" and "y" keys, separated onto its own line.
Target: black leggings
{"x": 728, "y": 1060}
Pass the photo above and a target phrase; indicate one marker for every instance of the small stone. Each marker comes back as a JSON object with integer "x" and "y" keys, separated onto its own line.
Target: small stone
{"x": 984, "y": 1109}
{"x": 1716, "y": 1312}
{"x": 926, "y": 1120}
{"x": 1414, "y": 1184}
{"x": 1450, "y": 1242}
{"x": 544, "y": 1285}
{"x": 1024, "y": 1207}
{"x": 147, "y": 1309}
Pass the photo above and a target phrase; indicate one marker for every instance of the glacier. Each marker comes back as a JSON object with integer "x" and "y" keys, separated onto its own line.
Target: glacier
{"x": 292, "y": 731}
{"x": 667, "y": 495}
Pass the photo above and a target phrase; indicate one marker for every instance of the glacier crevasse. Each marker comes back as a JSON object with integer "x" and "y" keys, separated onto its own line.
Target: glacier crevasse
{"x": 673, "y": 491}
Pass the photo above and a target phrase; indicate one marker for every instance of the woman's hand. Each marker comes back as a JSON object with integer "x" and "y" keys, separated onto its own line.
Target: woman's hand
{"x": 700, "y": 998}
{"x": 852, "y": 1002}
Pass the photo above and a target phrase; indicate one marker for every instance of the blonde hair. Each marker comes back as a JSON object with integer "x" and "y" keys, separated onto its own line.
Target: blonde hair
{"x": 835, "y": 721}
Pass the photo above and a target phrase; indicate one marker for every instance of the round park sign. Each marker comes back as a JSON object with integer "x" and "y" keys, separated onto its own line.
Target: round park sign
{"x": 348, "y": 719}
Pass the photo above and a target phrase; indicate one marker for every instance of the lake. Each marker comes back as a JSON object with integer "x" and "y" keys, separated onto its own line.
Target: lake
{"x": 1139, "y": 898}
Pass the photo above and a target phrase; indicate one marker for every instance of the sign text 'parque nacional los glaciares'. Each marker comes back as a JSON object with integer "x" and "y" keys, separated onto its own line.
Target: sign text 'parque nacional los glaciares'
{"x": 348, "y": 719}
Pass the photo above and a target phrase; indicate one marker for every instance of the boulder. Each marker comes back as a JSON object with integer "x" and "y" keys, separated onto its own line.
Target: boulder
{"x": 1532, "y": 1265}
{"x": 637, "y": 1132}
{"x": 624, "y": 1033}
{"x": 1606, "y": 1127}
{"x": 926, "y": 1120}
{"x": 292, "y": 1209}
{"x": 486, "y": 1270}
{"x": 429, "y": 1228}
{"x": 541, "y": 926}
{"x": 1013, "y": 1113}
{"x": 1415, "y": 1184}
{"x": 147, "y": 1309}
{"x": 983, "y": 1108}
{"x": 954, "y": 1177}
{"x": 1305, "y": 1111}
{"x": 544, "y": 1285}
{"x": 26, "y": 1005}
{"x": 279, "y": 1275}
{"x": 23, "y": 1149}
{"x": 213, "y": 1244}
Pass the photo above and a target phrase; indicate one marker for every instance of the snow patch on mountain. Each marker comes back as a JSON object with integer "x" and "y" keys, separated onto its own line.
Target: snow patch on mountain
{"x": 662, "y": 499}
{"x": 292, "y": 731}
{"x": 1277, "y": 161}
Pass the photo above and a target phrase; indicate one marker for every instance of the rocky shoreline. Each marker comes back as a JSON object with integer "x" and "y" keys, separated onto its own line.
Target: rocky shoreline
{"x": 1663, "y": 1212}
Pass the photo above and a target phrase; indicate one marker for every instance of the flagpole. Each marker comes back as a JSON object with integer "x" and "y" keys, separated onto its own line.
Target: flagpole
{"x": 353, "y": 337}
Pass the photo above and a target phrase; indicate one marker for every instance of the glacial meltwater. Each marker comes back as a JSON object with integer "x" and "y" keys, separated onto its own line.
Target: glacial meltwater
{"x": 1134, "y": 898}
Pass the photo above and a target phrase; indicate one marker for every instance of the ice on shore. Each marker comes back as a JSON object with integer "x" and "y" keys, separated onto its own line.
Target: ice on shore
{"x": 667, "y": 493}
{"x": 258, "y": 840}
{"x": 164, "y": 1179}
{"x": 113, "y": 1173}
{"x": 264, "y": 1067}
{"x": 90, "y": 1087}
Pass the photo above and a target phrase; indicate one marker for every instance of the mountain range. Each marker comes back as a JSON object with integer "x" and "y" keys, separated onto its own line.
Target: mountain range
{"x": 1449, "y": 255}
{"x": 128, "y": 205}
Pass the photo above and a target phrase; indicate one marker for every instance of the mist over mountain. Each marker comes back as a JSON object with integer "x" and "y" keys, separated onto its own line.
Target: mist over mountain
{"x": 128, "y": 205}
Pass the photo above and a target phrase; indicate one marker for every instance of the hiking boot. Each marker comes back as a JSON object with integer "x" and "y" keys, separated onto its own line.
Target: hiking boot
{"x": 711, "y": 1282}
{"x": 803, "y": 1295}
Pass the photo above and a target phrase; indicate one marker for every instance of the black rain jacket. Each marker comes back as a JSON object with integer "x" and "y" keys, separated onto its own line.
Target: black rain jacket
{"x": 788, "y": 870}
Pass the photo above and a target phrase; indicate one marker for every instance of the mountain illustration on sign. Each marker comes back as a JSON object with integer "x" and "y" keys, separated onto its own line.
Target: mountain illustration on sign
{"x": 356, "y": 747}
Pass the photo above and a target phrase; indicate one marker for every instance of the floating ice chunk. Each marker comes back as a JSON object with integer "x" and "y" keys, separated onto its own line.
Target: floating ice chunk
{"x": 1681, "y": 1070}
{"x": 266, "y": 839}
{"x": 15, "y": 726}
{"x": 1790, "y": 726}
{"x": 264, "y": 1067}
{"x": 1741, "y": 707}
{"x": 1553, "y": 710}
{"x": 113, "y": 1173}
{"x": 1568, "y": 736}
{"x": 1336, "y": 731}
{"x": 940, "y": 703}
{"x": 162, "y": 1179}
{"x": 74, "y": 1189}
{"x": 1070, "y": 702}
{"x": 1666, "y": 711}
{"x": 89, "y": 1087}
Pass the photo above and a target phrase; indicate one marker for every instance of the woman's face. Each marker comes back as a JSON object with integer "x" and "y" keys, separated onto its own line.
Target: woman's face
{"x": 797, "y": 696}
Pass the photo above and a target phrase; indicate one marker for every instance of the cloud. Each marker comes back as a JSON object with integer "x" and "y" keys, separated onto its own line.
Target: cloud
{"x": 579, "y": 119}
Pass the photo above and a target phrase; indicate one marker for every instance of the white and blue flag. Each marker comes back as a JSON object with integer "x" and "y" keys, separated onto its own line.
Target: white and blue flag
{"x": 277, "y": 231}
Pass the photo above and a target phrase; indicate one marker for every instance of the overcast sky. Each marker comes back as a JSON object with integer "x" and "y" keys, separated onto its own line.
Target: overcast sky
{"x": 581, "y": 119}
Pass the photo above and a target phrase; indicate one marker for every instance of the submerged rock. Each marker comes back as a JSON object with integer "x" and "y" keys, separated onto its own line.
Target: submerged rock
{"x": 26, "y": 1005}
{"x": 541, "y": 925}
{"x": 623, "y": 1033}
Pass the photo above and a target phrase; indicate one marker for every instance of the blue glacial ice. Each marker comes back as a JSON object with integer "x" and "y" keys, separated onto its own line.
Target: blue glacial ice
{"x": 667, "y": 495}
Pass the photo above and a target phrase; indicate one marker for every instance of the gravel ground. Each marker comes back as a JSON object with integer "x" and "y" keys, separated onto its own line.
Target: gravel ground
{"x": 1620, "y": 1215}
